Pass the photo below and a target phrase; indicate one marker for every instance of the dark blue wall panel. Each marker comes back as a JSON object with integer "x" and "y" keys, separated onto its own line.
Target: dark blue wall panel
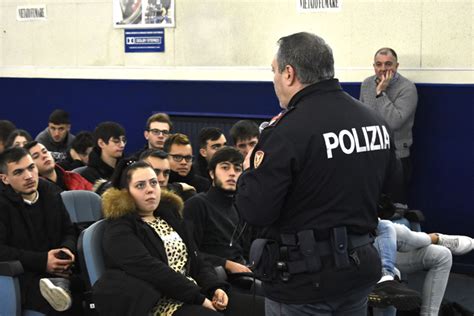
{"x": 443, "y": 177}
{"x": 28, "y": 102}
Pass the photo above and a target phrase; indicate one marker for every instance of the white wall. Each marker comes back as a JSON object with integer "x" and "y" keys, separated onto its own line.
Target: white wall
{"x": 235, "y": 39}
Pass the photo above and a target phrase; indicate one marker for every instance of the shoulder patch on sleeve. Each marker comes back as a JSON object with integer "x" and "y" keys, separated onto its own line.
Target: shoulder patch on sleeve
{"x": 258, "y": 158}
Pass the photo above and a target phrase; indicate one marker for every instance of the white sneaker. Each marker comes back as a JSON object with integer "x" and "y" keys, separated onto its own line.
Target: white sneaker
{"x": 56, "y": 292}
{"x": 458, "y": 245}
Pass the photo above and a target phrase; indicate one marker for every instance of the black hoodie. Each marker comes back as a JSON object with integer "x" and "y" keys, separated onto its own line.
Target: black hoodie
{"x": 97, "y": 168}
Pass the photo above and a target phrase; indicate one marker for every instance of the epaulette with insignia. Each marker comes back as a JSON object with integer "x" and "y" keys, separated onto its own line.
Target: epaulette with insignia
{"x": 274, "y": 121}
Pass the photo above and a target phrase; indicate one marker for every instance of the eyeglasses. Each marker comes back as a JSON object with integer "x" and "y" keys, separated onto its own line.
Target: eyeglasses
{"x": 157, "y": 132}
{"x": 118, "y": 140}
{"x": 179, "y": 158}
{"x": 165, "y": 172}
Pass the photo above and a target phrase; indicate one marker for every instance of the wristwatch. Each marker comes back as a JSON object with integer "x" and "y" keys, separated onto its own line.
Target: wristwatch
{"x": 381, "y": 94}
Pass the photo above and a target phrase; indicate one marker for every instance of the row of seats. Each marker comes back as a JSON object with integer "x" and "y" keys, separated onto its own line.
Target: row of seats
{"x": 85, "y": 211}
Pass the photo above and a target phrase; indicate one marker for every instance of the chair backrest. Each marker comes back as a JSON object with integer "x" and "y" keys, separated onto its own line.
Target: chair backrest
{"x": 79, "y": 169}
{"x": 90, "y": 251}
{"x": 82, "y": 206}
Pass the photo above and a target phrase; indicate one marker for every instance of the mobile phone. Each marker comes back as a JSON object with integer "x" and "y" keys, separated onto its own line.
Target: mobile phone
{"x": 63, "y": 255}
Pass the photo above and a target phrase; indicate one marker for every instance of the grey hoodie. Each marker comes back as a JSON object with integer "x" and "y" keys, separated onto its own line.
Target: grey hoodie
{"x": 58, "y": 150}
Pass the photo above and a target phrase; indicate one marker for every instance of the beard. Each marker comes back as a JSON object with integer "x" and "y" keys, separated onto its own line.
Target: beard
{"x": 220, "y": 185}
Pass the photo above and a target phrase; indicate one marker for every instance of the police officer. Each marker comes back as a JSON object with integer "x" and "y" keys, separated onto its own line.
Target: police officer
{"x": 312, "y": 185}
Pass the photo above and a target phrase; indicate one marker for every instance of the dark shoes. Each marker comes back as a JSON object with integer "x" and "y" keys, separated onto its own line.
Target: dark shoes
{"x": 394, "y": 293}
{"x": 56, "y": 292}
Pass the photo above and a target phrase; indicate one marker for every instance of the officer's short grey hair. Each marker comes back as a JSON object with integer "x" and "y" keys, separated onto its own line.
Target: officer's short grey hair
{"x": 308, "y": 54}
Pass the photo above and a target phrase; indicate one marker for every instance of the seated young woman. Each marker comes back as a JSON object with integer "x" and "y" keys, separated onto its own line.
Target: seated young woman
{"x": 146, "y": 238}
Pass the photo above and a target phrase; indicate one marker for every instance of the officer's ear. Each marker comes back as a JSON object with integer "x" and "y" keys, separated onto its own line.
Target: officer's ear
{"x": 290, "y": 75}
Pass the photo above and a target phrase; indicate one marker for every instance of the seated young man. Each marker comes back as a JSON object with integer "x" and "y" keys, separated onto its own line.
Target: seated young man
{"x": 216, "y": 223}
{"x": 109, "y": 145}
{"x": 210, "y": 140}
{"x": 78, "y": 154}
{"x": 157, "y": 130}
{"x": 159, "y": 161}
{"x": 36, "y": 230}
{"x": 47, "y": 169}
{"x": 57, "y": 136}
{"x": 158, "y": 127}
{"x": 180, "y": 151}
{"x": 245, "y": 135}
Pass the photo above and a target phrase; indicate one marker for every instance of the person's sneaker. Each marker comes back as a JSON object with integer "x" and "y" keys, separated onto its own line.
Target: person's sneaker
{"x": 458, "y": 245}
{"x": 56, "y": 292}
{"x": 394, "y": 293}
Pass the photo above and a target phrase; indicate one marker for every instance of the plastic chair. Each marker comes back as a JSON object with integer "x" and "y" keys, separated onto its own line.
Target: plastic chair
{"x": 84, "y": 207}
{"x": 90, "y": 252}
{"x": 79, "y": 169}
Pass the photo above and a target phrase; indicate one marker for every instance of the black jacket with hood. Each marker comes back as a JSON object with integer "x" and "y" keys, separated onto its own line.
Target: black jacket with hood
{"x": 97, "y": 168}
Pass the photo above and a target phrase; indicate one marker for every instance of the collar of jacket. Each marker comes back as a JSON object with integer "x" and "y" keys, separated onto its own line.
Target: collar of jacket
{"x": 176, "y": 177}
{"x": 316, "y": 88}
{"x": 220, "y": 197}
{"x": 117, "y": 203}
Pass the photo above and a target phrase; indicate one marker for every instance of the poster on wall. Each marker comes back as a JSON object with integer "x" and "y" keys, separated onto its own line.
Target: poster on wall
{"x": 143, "y": 13}
{"x": 318, "y": 5}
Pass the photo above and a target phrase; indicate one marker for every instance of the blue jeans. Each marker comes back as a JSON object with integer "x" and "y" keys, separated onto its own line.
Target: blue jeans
{"x": 354, "y": 304}
{"x": 386, "y": 244}
{"x": 416, "y": 253}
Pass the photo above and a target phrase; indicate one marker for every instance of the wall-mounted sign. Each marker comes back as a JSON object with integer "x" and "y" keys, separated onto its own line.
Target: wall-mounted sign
{"x": 144, "y": 41}
{"x": 143, "y": 13}
{"x": 31, "y": 12}
{"x": 318, "y": 5}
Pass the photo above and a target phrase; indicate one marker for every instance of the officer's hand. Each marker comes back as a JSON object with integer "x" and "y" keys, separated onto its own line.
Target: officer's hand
{"x": 234, "y": 267}
{"x": 384, "y": 81}
{"x": 246, "y": 164}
